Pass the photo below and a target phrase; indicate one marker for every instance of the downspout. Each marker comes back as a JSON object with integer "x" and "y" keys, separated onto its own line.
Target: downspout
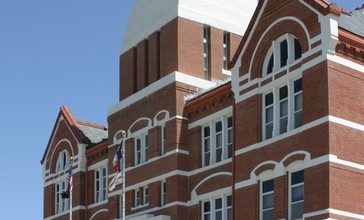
{"x": 233, "y": 163}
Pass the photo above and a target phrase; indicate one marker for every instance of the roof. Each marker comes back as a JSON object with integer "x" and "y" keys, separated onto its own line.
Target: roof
{"x": 353, "y": 22}
{"x": 85, "y": 132}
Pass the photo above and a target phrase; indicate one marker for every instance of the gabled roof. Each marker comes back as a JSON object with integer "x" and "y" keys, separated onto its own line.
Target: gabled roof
{"x": 353, "y": 22}
{"x": 321, "y": 6}
{"x": 84, "y": 132}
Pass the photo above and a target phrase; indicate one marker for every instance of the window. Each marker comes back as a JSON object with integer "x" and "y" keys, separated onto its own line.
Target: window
{"x": 63, "y": 161}
{"x": 206, "y": 33}
{"x": 163, "y": 140}
{"x": 219, "y": 208}
{"x": 145, "y": 195}
{"x": 217, "y": 141}
{"x": 282, "y": 109}
{"x": 267, "y": 200}
{"x": 136, "y": 198}
{"x": 284, "y": 51}
{"x": 141, "y": 149}
{"x": 100, "y": 184}
{"x": 296, "y": 197}
{"x": 61, "y": 204}
{"x": 225, "y": 50}
{"x": 164, "y": 193}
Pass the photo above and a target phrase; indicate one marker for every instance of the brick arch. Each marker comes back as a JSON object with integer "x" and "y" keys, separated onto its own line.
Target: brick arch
{"x": 100, "y": 214}
{"x": 264, "y": 167}
{"x": 292, "y": 158}
{"x": 214, "y": 182}
{"x": 284, "y": 26}
{"x": 63, "y": 144}
{"x": 139, "y": 124}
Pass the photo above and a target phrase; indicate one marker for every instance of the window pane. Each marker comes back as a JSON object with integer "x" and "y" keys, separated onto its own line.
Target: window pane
{"x": 230, "y": 122}
{"x": 207, "y": 159}
{"x": 206, "y": 131}
{"x": 270, "y": 64}
{"x": 283, "y": 92}
{"x": 218, "y": 154}
{"x": 297, "y": 177}
{"x": 284, "y": 53}
{"x": 206, "y": 217}
{"x": 218, "y": 215}
{"x": 229, "y": 201}
{"x": 269, "y": 131}
{"x": 207, "y": 145}
{"x": 268, "y": 186}
{"x": 283, "y": 123}
{"x": 269, "y": 99}
{"x": 268, "y": 214}
{"x": 297, "y": 193}
{"x": 298, "y": 85}
{"x": 297, "y": 49}
{"x": 269, "y": 115}
{"x": 297, "y": 210}
{"x": 283, "y": 108}
{"x": 268, "y": 201}
{"x": 206, "y": 207}
{"x": 229, "y": 214}
{"x": 298, "y": 119}
{"x": 218, "y": 203}
{"x": 298, "y": 102}
{"x": 218, "y": 126}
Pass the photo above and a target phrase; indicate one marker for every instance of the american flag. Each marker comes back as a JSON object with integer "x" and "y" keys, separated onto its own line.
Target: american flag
{"x": 70, "y": 179}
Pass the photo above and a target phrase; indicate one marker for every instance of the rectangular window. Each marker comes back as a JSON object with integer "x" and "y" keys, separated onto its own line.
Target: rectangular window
{"x": 164, "y": 193}
{"x": 284, "y": 53}
{"x": 296, "y": 195}
{"x": 136, "y": 198}
{"x": 206, "y": 48}
{"x": 217, "y": 141}
{"x": 267, "y": 200}
{"x": 145, "y": 195}
{"x": 268, "y": 104}
{"x": 100, "y": 184}
{"x": 163, "y": 140}
{"x": 141, "y": 149}
{"x": 225, "y": 50}
{"x": 61, "y": 204}
{"x": 282, "y": 109}
{"x": 219, "y": 208}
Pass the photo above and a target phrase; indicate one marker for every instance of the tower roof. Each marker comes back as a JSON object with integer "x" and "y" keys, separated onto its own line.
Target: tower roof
{"x": 149, "y": 16}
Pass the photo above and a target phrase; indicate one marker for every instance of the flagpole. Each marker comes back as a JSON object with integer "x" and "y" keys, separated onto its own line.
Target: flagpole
{"x": 71, "y": 162}
{"x": 123, "y": 173}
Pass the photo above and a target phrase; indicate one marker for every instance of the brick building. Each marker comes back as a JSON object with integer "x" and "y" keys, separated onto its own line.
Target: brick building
{"x": 233, "y": 109}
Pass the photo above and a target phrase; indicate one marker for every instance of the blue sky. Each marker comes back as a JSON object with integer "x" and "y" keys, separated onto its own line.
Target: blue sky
{"x": 54, "y": 52}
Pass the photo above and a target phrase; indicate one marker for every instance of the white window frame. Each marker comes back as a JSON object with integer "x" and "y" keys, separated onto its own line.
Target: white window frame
{"x": 264, "y": 194}
{"x": 63, "y": 161}
{"x": 136, "y": 198}
{"x": 276, "y": 109}
{"x": 276, "y": 51}
{"x": 163, "y": 193}
{"x": 61, "y": 205}
{"x": 145, "y": 195}
{"x": 209, "y": 156}
{"x": 141, "y": 154}
{"x": 163, "y": 140}
{"x": 100, "y": 187}
{"x": 213, "y": 210}
{"x": 291, "y": 187}
{"x": 206, "y": 33}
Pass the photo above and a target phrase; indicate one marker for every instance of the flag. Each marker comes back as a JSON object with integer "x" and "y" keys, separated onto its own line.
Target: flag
{"x": 118, "y": 156}
{"x": 117, "y": 180}
{"x": 70, "y": 179}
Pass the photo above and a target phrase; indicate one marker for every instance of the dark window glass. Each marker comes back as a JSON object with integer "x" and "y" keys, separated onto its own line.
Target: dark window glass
{"x": 284, "y": 53}
{"x": 297, "y": 177}
{"x": 270, "y": 64}
{"x": 269, "y": 99}
{"x": 298, "y": 85}
{"x": 297, "y": 49}
{"x": 283, "y": 92}
{"x": 268, "y": 186}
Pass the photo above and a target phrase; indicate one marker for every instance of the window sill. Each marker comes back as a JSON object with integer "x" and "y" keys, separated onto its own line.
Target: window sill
{"x": 140, "y": 206}
{"x": 98, "y": 203}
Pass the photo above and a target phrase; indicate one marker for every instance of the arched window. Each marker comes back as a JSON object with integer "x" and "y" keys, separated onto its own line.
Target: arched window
{"x": 284, "y": 51}
{"x": 63, "y": 161}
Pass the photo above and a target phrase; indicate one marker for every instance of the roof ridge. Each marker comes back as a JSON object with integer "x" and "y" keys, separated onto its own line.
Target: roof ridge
{"x": 91, "y": 124}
